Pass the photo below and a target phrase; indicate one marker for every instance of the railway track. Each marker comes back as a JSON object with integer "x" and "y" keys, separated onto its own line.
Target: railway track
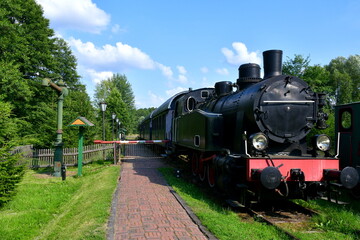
{"x": 285, "y": 213}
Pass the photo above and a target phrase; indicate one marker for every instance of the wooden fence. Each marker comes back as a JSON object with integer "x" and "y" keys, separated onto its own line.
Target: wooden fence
{"x": 35, "y": 158}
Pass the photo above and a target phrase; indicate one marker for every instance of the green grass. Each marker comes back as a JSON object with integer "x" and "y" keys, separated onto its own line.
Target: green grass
{"x": 334, "y": 221}
{"x": 49, "y": 208}
{"x": 222, "y": 222}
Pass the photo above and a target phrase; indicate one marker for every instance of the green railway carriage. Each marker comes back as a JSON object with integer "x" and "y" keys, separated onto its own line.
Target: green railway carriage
{"x": 347, "y": 127}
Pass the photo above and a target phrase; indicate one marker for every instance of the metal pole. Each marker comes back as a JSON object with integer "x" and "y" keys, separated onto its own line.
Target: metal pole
{"x": 59, "y": 167}
{"x": 103, "y": 133}
{"x": 80, "y": 149}
{"x": 113, "y": 134}
{"x": 103, "y": 125}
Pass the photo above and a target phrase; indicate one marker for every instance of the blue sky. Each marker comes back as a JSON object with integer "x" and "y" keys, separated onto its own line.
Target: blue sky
{"x": 164, "y": 47}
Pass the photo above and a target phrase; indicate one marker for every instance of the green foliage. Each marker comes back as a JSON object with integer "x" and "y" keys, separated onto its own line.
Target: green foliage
{"x": 77, "y": 104}
{"x": 29, "y": 52}
{"x": 296, "y": 66}
{"x": 10, "y": 174}
{"x": 117, "y": 93}
{"x": 142, "y": 113}
{"x": 345, "y": 78}
{"x": 8, "y": 128}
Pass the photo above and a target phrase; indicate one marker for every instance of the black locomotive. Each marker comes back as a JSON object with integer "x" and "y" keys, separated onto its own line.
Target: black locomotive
{"x": 252, "y": 141}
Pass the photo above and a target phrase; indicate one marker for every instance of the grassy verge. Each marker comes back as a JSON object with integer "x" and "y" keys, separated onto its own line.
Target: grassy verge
{"x": 223, "y": 223}
{"x": 49, "y": 208}
{"x": 334, "y": 221}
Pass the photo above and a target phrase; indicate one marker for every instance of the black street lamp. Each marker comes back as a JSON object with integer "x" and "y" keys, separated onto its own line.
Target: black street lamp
{"x": 113, "y": 116}
{"x": 103, "y": 109}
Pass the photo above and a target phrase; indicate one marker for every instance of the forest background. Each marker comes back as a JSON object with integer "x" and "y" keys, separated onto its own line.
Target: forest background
{"x": 29, "y": 52}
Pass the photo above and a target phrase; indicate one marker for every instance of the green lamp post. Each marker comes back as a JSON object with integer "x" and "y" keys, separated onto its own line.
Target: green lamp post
{"x": 59, "y": 167}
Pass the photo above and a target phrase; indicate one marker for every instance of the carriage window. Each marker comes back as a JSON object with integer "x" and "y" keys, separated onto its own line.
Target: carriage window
{"x": 190, "y": 104}
{"x": 345, "y": 119}
{"x": 204, "y": 94}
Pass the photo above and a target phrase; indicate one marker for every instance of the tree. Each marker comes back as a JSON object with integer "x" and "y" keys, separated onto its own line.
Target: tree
{"x": 29, "y": 52}
{"x": 296, "y": 66}
{"x": 345, "y": 78}
{"x": 65, "y": 64}
{"x": 316, "y": 76}
{"x": 117, "y": 93}
{"x": 77, "y": 104}
{"x": 10, "y": 174}
{"x": 318, "y": 79}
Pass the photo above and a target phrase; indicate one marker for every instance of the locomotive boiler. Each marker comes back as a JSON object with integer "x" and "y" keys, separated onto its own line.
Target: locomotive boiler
{"x": 249, "y": 138}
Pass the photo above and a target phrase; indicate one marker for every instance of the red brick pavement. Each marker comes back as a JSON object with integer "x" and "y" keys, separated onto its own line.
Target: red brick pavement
{"x": 146, "y": 209}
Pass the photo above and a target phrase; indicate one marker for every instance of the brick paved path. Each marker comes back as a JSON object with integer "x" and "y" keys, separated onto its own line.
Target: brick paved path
{"x": 146, "y": 208}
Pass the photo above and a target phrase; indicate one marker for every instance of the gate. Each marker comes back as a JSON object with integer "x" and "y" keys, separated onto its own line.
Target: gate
{"x": 136, "y": 149}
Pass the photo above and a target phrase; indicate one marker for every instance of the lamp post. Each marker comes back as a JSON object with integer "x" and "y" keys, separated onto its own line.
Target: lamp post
{"x": 119, "y": 131}
{"x": 103, "y": 109}
{"x": 117, "y": 128}
{"x": 59, "y": 167}
{"x": 113, "y": 116}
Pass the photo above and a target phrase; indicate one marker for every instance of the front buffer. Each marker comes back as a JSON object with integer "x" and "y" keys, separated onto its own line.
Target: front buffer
{"x": 297, "y": 177}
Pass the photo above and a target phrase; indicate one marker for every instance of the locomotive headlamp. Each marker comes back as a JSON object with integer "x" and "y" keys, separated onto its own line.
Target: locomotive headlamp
{"x": 259, "y": 141}
{"x": 322, "y": 142}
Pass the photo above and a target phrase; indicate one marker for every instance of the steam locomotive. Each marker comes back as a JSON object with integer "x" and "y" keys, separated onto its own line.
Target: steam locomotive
{"x": 249, "y": 138}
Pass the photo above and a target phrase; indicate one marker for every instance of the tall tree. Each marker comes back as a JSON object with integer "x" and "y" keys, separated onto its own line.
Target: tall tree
{"x": 296, "y": 66}
{"x": 65, "y": 64}
{"x": 29, "y": 52}
{"x": 345, "y": 78}
{"x": 117, "y": 87}
{"x": 77, "y": 104}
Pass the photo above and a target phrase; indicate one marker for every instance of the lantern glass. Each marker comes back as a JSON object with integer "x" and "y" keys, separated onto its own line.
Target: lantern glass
{"x": 103, "y": 106}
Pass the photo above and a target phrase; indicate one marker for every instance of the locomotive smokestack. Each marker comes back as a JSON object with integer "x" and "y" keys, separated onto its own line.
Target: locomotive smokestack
{"x": 272, "y": 63}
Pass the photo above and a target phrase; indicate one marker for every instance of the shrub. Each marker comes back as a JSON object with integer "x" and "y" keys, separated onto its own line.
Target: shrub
{"x": 10, "y": 174}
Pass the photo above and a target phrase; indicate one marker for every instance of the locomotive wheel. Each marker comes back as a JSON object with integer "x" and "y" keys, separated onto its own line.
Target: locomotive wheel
{"x": 210, "y": 175}
{"x": 194, "y": 164}
{"x": 202, "y": 170}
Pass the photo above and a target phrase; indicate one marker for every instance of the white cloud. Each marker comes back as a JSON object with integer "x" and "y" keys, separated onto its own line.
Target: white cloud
{"x": 241, "y": 54}
{"x": 166, "y": 71}
{"x": 119, "y": 57}
{"x": 182, "y": 79}
{"x": 204, "y": 70}
{"x": 97, "y": 77}
{"x": 174, "y": 91}
{"x": 181, "y": 70}
{"x": 115, "y": 28}
{"x": 222, "y": 71}
{"x": 154, "y": 100}
{"x": 81, "y": 15}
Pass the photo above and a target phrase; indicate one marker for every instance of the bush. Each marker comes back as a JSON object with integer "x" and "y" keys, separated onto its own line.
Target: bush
{"x": 10, "y": 174}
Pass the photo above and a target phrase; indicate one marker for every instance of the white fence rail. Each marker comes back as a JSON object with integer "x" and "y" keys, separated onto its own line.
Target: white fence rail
{"x": 35, "y": 158}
